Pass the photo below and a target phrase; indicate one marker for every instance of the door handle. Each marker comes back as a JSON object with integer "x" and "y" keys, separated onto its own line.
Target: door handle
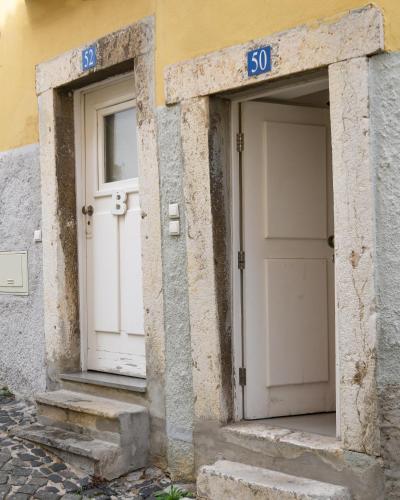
{"x": 331, "y": 241}
{"x": 88, "y": 210}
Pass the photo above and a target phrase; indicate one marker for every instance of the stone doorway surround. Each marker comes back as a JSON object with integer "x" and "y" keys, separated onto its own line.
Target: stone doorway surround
{"x": 131, "y": 48}
{"x": 342, "y": 45}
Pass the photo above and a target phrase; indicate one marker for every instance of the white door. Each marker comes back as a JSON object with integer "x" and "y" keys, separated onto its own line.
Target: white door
{"x": 288, "y": 281}
{"x": 114, "y": 302}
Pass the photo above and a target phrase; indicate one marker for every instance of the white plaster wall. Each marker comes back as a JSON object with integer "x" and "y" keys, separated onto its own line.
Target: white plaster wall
{"x": 179, "y": 396}
{"x": 385, "y": 141}
{"x": 22, "y": 347}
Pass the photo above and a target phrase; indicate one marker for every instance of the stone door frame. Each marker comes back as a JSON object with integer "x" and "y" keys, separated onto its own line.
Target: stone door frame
{"x": 129, "y": 49}
{"x": 341, "y": 45}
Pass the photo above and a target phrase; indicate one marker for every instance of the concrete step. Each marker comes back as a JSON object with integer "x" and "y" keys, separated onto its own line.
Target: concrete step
{"x": 93, "y": 456}
{"x": 298, "y": 453}
{"x": 109, "y": 385}
{"x": 92, "y": 425}
{"x": 98, "y": 417}
{"x": 231, "y": 480}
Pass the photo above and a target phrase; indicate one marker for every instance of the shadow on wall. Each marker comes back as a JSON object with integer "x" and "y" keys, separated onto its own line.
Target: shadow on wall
{"x": 46, "y": 12}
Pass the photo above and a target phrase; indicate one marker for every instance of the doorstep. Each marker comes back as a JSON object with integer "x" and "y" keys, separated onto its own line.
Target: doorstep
{"x": 295, "y": 452}
{"x": 258, "y": 434}
{"x": 107, "y": 385}
{"x": 134, "y": 384}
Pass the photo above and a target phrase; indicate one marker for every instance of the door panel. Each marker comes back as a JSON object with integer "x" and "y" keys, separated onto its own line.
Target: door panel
{"x": 295, "y": 159}
{"x": 296, "y": 321}
{"x": 131, "y": 299}
{"x": 288, "y": 292}
{"x": 105, "y": 272}
{"x": 114, "y": 295}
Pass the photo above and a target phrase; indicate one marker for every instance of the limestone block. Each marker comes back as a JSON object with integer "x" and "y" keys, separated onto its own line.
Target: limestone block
{"x": 354, "y": 254}
{"x": 207, "y": 384}
{"x": 112, "y": 49}
{"x": 231, "y": 480}
{"x": 303, "y": 48}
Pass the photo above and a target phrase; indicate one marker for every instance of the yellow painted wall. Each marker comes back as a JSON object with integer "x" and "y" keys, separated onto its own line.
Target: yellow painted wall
{"x": 32, "y": 31}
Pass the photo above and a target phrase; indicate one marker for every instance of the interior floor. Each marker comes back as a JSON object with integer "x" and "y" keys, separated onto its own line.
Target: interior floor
{"x": 318, "y": 423}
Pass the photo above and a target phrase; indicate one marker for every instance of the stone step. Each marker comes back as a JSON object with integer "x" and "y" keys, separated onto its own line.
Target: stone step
{"x": 109, "y": 385}
{"x": 231, "y": 480}
{"x": 93, "y": 456}
{"x": 322, "y": 458}
{"x": 107, "y": 419}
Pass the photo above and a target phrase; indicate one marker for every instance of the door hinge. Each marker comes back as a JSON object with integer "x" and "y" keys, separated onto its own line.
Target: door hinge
{"x": 239, "y": 142}
{"x": 241, "y": 260}
{"x": 242, "y": 376}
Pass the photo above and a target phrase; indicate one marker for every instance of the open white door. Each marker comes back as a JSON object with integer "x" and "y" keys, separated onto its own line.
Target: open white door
{"x": 114, "y": 302}
{"x": 288, "y": 281}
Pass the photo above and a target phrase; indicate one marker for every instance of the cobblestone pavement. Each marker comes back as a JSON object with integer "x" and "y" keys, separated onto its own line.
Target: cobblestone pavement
{"x": 27, "y": 471}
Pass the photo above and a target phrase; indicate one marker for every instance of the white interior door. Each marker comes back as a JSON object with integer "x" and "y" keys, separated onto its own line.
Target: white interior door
{"x": 115, "y": 332}
{"x": 288, "y": 281}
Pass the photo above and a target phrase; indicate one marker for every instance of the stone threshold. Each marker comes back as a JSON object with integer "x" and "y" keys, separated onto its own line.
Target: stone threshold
{"x": 256, "y": 434}
{"x": 123, "y": 382}
{"x": 226, "y": 479}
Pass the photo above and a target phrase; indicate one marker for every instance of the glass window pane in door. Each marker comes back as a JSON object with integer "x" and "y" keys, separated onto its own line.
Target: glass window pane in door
{"x": 120, "y": 146}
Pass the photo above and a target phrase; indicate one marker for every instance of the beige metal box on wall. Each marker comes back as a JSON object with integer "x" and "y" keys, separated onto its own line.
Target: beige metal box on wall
{"x": 14, "y": 273}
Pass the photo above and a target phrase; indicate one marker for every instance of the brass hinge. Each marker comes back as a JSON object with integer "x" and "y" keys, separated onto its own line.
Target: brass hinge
{"x": 241, "y": 260}
{"x": 242, "y": 376}
{"x": 239, "y": 142}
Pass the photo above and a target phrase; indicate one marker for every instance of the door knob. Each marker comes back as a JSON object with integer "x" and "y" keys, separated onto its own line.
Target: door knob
{"x": 331, "y": 241}
{"x": 87, "y": 210}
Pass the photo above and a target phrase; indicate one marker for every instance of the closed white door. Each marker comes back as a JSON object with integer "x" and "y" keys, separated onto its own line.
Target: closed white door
{"x": 115, "y": 332}
{"x": 288, "y": 281}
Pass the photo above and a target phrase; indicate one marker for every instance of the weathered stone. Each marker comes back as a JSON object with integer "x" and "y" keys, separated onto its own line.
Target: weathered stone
{"x": 29, "y": 489}
{"x": 27, "y": 457}
{"x": 37, "y": 481}
{"x": 354, "y": 255}
{"x": 17, "y": 480}
{"x": 109, "y": 459}
{"x": 40, "y": 453}
{"x": 55, "y": 478}
{"x": 4, "y": 489}
{"x": 112, "y": 49}
{"x": 230, "y": 481}
{"x": 151, "y": 247}
{"x": 178, "y": 387}
{"x": 357, "y": 33}
{"x": 70, "y": 486}
{"x": 125, "y": 437}
{"x": 108, "y": 380}
{"x": 146, "y": 491}
{"x": 52, "y": 480}
{"x": 135, "y": 476}
{"x": 21, "y": 472}
{"x": 204, "y": 328}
